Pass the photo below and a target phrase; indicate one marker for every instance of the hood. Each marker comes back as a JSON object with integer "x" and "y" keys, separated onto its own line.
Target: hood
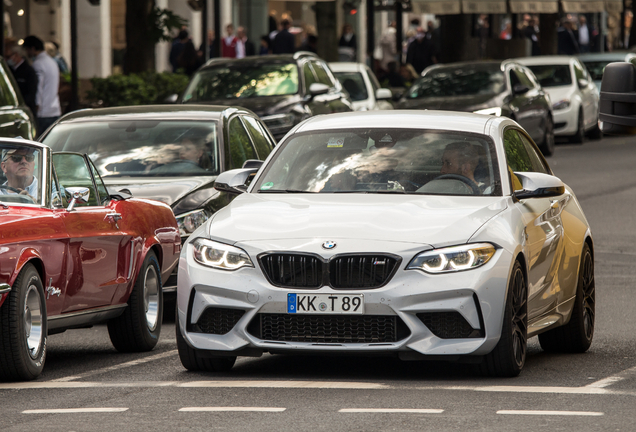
{"x": 559, "y": 93}
{"x": 425, "y": 220}
{"x": 468, "y": 103}
{"x": 170, "y": 190}
{"x": 261, "y": 106}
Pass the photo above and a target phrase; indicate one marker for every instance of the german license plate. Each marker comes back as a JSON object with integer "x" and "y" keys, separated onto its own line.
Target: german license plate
{"x": 325, "y": 303}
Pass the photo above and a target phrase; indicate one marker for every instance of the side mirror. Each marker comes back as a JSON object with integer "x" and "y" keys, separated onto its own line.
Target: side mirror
{"x": 583, "y": 83}
{"x": 520, "y": 89}
{"x": 172, "y": 99}
{"x": 317, "y": 89}
{"x": 234, "y": 181}
{"x": 617, "y": 107}
{"x": 253, "y": 163}
{"x": 383, "y": 94}
{"x": 78, "y": 195}
{"x": 538, "y": 185}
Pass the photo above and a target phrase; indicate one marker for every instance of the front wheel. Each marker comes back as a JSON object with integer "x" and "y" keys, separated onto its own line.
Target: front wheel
{"x": 509, "y": 356}
{"x": 579, "y": 136}
{"x": 576, "y": 336}
{"x": 139, "y": 327}
{"x": 192, "y": 360}
{"x": 547, "y": 146}
{"x": 23, "y": 328}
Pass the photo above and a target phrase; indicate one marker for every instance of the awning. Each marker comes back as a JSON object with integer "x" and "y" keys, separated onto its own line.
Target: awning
{"x": 437, "y": 7}
{"x": 535, "y": 6}
{"x": 583, "y": 6}
{"x": 614, "y": 6}
{"x": 484, "y": 6}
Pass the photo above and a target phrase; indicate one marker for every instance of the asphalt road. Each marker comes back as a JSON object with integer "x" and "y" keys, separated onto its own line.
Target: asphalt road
{"x": 88, "y": 386}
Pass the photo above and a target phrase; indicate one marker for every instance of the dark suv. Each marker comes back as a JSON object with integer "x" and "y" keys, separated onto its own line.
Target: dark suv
{"x": 282, "y": 90}
{"x": 16, "y": 119}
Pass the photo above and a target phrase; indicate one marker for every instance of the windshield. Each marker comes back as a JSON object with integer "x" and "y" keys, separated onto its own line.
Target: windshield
{"x": 21, "y": 176}
{"x": 243, "y": 80}
{"x": 466, "y": 80}
{"x": 384, "y": 161}
{"x": 142, "y": 147}
{"x": 552, "y": 75}
{"x": 353, "y": 82}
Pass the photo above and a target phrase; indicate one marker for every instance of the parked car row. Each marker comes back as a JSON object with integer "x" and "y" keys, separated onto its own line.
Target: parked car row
{"x": 293, "y": 265}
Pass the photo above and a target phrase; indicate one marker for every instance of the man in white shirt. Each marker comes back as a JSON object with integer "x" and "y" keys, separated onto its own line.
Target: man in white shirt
{"x": 46, "y": 98}
{"x": 584, "y": 35}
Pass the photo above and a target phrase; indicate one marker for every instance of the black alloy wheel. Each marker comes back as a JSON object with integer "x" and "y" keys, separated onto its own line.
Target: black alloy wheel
{"x": 509, "y": 356}
{"x": 579, "y": 137}
{"x": 576, "y": 336}
{"x": 547, "y": 146}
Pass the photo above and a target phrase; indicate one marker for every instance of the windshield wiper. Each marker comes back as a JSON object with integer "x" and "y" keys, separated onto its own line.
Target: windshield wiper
{"x": 284, "y": 191}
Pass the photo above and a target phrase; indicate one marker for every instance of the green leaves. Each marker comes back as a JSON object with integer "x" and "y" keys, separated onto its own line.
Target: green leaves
{"x": 162, "y": 22}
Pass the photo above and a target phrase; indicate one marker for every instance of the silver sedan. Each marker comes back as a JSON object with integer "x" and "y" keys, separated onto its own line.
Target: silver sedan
{"x": 422, "y": 234}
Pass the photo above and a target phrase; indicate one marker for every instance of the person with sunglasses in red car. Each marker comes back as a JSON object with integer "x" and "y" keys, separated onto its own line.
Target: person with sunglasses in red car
{"x": 18, "y": 165}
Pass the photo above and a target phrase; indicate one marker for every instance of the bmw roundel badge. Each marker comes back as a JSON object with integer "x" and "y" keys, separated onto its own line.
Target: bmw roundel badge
{"x": 328, "y": 245}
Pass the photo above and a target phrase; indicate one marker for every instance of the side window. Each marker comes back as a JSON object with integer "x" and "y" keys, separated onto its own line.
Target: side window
{"x": 579, "y": 72}
{"x": 323, "y": 76}
{"x": 259, "y": 137}
{"x": 101, "y": 189}
{"x": 309, "y": 75}
{"x": 537, "y": 163}
{"x": 516, "y": 154}
{"x": 240, "y": 145}
{"x": 374, "y": 81}
{"x": 514, "y": 79}
{"x": 72, "y": 171}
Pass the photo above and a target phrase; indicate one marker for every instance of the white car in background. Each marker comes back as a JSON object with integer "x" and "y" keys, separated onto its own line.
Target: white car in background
{"x": 596, "y": 62}
{"x": 575, "y": 98}
{"x": 362, "y": 85}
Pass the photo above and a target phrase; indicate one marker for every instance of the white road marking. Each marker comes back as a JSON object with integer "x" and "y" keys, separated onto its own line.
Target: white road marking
{"x": 555, "y": 413}
{"x": 231, "y": 409}
{"x": 117, "y": 367}
{"x": 392, "y": 410}
{"x": 285, "y": 384}
{"x": 539, "y": 389}
{"x": 605, "y": 382}
{"x": 74, "y": 410}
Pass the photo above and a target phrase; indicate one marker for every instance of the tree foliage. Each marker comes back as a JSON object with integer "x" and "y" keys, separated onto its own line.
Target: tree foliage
{"x": 135, "y": 89}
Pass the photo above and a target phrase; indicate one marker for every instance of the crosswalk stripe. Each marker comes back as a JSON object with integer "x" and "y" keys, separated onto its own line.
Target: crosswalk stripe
{"x": 553, "y": 413}
{"x": 73, "y": 410}
{"x": 231, "y": 409}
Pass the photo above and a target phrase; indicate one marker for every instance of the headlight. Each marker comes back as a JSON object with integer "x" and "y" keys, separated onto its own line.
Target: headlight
{"x": 220, "y": 256}
{"x": 279, "y": 120}
{"x": 189, "y": 222}
{"x": 495, "y": 111}
{"x": 457, "y": 258}
{"x": 561, "y": 105}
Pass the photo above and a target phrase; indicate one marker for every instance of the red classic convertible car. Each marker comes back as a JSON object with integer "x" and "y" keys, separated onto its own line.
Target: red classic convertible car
{"x": 73, "y": 255}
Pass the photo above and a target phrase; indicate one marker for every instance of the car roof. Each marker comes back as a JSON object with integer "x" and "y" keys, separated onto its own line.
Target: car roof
{"x": 268, "y": 59}
{"x": 346, "y": 67}
{"x": 545, "y": 60}
{"x": 155, "y": 112}
{"x": 406, "y": 119}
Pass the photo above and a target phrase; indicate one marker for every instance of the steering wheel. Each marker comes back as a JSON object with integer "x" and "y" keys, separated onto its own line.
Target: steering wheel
{"x": 468, "y": 182}
{"x": 9, "y": 188}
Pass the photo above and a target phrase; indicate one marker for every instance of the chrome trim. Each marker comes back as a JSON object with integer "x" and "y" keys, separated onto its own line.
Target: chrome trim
{"x": 132, "y": 258}
{"x": 4, "y": 288}
{"x": 87, "y": 312}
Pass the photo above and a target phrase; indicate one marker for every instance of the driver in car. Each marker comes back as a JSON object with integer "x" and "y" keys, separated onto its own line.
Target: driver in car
{"x": 461, "y": 158}
{"x": 18, "y": 166}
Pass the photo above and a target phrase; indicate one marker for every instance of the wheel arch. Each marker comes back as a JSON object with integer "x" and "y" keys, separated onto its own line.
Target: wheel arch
{"x": 29, "y": 256}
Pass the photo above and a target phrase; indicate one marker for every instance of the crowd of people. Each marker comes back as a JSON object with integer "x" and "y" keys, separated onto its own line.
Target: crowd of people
{"x": 37, "y": 68}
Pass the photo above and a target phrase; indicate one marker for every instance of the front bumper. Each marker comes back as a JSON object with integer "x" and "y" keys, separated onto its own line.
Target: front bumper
{"x": 565, "y": 121}
{"x": 411, "y": 296}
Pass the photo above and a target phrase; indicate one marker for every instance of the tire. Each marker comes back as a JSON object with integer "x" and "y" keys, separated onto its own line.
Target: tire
{"x": 193, "y": 361}
{"x": 509, "y": 356}
{"x": 139, "y": 327}
{"x": 576, "y": 336}
{"x": 23, "y": 328}
{"x": 547, "y": 146}
{"x": 579, "y": 136}
{"x": 596, "y": 133}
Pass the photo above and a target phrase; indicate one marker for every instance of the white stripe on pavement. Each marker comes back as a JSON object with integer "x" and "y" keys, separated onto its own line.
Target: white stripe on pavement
{"x": 74, "y": 410}
{"x": 392, "y": 410}
{"x": 557, "y": 413}
{"x": 117, "y": 367}
{"x": 231, "y": 409}
{"x": 605, "y": 382}
{"x": 285, "y": 384}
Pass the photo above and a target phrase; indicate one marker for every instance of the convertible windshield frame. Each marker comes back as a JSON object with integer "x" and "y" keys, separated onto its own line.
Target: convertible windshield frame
{"x": 390, "y": 171}
{"x": 41, "y": 172}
